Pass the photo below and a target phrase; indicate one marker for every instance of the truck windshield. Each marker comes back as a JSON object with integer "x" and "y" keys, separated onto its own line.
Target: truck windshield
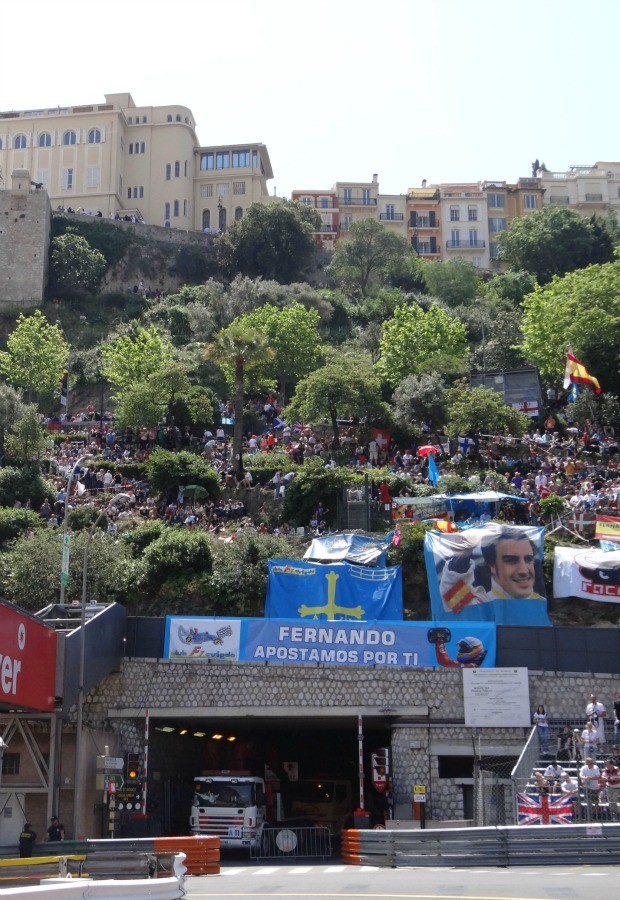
{"x": 224, "y": 793}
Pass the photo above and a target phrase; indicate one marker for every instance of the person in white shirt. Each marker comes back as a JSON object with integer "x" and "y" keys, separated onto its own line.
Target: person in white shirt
{"x": 589, "y": 740}
{"x": 596, "y": 712}
{"x": 555, "y": 774}
{"x": 590, "y": 778}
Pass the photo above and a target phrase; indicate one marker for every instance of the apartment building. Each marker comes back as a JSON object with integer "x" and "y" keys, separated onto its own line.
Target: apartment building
{"x": 466, "y": 223}
{"x": 325, "y": 202}
{"x": 424, "y": 221}
{"x": 144, "y": 160}
{"x": 586, "y": 189}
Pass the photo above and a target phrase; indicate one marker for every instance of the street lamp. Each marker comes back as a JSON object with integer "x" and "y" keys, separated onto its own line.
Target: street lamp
{"x": 79, "y": 742}
{"x": 64, "y": 578}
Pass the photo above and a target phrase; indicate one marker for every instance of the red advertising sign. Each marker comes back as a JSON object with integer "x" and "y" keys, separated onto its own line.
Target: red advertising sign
{"x": 27, "y": 661}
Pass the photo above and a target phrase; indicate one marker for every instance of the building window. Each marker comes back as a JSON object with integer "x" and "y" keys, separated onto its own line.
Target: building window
{"x": 455, "y": 237}
{"x": 67, "y": 179}
{"x": 240, "y": 159}
{"x": 346, "y": 223}
{"x": 144, "y": 120}
{"x": 455, "y": 214}
{"x": 69, "y": 138}
{"x": 135, "y": 193}
{"x": 19, "y": 142}
{"x": 529, "y": 201}
{"x": 476, "y": 261}
{"x": 129, "y": 120}
{"x": 206, "y": 219}
{"x": 496, "y": 200}
{"x": 346, "y": 195}
{"x": 366, "y": 197}
{"x": 167, "y": 208}
{"x": 141, "y": 194}
{"x": 206, "y": 190}
{"x": 222, "y": 160}
{"x": 168, "y": 119}
{"x": 223, "y": 189}
{"x": 238, "y": 213}
{"x": 473, "y": 237}
{"x": 177, "y": 117}
{"x": 168, "y": 171}
{"x": 389, "y": 211}
{"x": 424, "y": 246}
{"x": 131, "y": 149}
{"x": 45, "y": 139}
{"x": 42, "y": 176}
{"x": 472, "y": 213}
{"x": 175, "y": 211}
{"x": 94, "y": 136}
{"x": 238, "y": 187}
{"x": 496, "y": 224}
{"x": 129, "y": 193}
{"x": 92, "y": 176}
{"x": 177, "y": 169}
{"x": 10, "y": 763}
{"x": 185, "y": 168}
{"x": 1, "y": 144}
{"x": 206, "y": 161}
{"x": 325, "y": 204}
{"x": 142, "y": 146}
{"x": 494, "y": 251}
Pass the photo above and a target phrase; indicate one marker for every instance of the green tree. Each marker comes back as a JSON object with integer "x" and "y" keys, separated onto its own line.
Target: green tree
{"x": 370, "y": 251}
{"x": 36, "y": 356}
{"x": 25, "y": 439}
{"x": 421, "y": 398}
{"x": 272, "y": 240}
{"x": 132, "y": 358}
{"x": 75, "y": 265}
{"x": 581, "y": 310}
{"x": 508, "y": 288}
{"x": 415, "y": 341}
{"x": 344, "y": 387}
{"x": 293, "y": 336}
{"x": 455, "y": 282}
{"x": 482, "y": 411}
{"x": 242, "y": 348}
{"x": 167, "y": 471}
{"x": 165, "y": 395}
{"x": 554, "y": 241}
{"x": 11, "y": 408}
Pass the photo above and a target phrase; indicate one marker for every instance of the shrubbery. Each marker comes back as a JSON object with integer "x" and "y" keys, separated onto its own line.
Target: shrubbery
{"x": 14, "y": 522}
{"x": 166, "y": 471}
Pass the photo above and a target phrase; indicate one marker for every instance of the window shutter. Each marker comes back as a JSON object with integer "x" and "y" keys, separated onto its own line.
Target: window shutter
{"x": 414, "y": 243}
{"x": 431, "y": 219}
{"x": 433, "y": 242}
{"x": 413, "y": 219}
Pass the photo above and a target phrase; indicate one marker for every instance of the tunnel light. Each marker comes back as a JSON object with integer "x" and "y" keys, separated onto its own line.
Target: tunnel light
{"x": 231, "y": 738}
{"x": 183, "y": 731}
{"x": 199, "y": 734}
{"x": 217, "y": 737}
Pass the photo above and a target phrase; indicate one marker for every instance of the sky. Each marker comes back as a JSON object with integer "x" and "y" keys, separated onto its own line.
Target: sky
{"x": 443, "y": 90}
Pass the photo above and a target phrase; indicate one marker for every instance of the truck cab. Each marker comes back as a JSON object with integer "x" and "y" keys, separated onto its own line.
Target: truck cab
{"x": 231, "y": 806}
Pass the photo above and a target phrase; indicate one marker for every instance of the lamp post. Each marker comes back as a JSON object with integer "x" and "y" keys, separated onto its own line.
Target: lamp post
{"x": 64, "y": 578}
{"x": 79, "y": 741}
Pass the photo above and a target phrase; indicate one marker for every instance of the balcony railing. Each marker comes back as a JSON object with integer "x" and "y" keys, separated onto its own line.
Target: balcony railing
{"x": 357, "y": 201}
{"x": 594, "y": 198}
{"x": 555, "y": 200}
{"x": 328, "y": 229}
{"x": 466, "y": 245}
{"x": 392, "y": 217}
{"x": 317, "y": 203}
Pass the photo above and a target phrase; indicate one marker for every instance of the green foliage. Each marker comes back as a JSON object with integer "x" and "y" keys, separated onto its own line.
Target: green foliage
{"x": 11, "y": 408}
{"x": 508, "y": 288}
{"x": 410, "y": 555}
{"x": 482, "y": 411}
{"x": 415, "y": 341}
{"x": 194, "y": 263}
{"x": 551, "y": 507}
{"x": 264, "y": 466}
{"x": 132, "y": 358}
{"x": 74, "y": 265}
{"x": 23, "y": 485}
{"x": 166, "y": 471}
{"x": 420, "y": 398}
{"x": 314, "y": 483}
{"x": 581, "y": 310}
{"x": 175, "y": 554}
{"x": 30, "y": 569}
{"x": 604, "y": 408}
{"x": 14, "y": 522}
{"x": 554, "y": 241}
{"x": 272, "y": 240}
{"x": 455, "y": 282}
{"x": 367, "y": 256}
{"x": 36, "y": 355}
{"x": 165, "y": 395}
{"x": 83, "y": 517}
{"x": 112, "y": 241}
{"x": 139, "y": 538}
{"x": 26, "y": 439}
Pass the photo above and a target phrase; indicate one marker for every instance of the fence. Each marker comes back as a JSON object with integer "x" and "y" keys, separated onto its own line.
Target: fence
{"x": 553, "y": 845}
{"x": 294, "y": 842}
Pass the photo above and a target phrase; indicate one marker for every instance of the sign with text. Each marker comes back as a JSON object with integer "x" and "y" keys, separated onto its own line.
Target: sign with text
{"x": 27, "y": 660}
{"x": 498, "y": 699}
{"x": 588, "y": 573}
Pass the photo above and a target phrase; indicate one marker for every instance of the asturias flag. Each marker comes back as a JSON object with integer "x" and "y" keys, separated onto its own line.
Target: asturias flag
{"x": 576, "y": 373}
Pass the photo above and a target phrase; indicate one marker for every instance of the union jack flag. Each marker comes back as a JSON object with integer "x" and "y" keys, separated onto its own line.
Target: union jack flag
{"x": 544, "y": 809}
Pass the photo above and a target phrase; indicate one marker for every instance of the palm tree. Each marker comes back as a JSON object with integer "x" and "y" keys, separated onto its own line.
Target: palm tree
{"x": 243, "y": 348}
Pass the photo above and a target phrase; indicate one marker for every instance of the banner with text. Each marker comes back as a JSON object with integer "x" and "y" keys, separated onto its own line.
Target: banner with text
{"x": 491, "y": 573}
{"x": 394, "y": 644}
{"x": 588, "y": 573}
{"x": 310, "y": 590}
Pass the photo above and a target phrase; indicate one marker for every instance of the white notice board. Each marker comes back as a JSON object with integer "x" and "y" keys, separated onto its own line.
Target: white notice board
{"x": 496, "y": 697}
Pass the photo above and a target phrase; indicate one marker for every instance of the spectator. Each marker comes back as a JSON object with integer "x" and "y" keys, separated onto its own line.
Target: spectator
{"x": 542, "y": 727}
{"x": 596, "y": 712}
{"x": 589, "y": 740}
{"x": 590, "y": 778}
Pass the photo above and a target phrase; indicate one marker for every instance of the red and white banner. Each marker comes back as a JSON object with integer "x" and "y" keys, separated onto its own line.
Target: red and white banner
{"x": 588, "y": 573}
{"x": 529, "y": 407}
{"x": 27, "y": 660}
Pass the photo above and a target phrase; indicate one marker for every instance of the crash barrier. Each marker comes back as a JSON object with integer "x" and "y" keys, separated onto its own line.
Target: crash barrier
{"x": 293, "y": 842}
{"x": 510, "y": 845}
{"x": 202, "y": 852}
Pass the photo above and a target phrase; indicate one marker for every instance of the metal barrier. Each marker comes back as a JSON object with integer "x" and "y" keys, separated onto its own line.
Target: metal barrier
{"x": 512, "y": 845}
{"x": 294, "y": 842}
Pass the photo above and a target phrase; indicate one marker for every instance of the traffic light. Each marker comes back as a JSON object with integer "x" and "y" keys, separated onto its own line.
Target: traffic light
{"x": 133, "y": 768}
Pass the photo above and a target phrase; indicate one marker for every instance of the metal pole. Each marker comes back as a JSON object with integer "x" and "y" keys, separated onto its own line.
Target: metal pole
{"x": 78, "y": 463}
{"x": 360, "y": 744}
{"x": 145, "y": 767}
{"x": 79, "y": 736}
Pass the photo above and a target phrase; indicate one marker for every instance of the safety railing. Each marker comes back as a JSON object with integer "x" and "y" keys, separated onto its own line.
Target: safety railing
{"x": 294, "y": 842}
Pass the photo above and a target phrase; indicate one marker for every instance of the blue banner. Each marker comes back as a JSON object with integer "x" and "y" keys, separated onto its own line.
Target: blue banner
{"x": 489, "y": 573}
{"x": 393, "y": 644}
{"x": 334, "y": 591}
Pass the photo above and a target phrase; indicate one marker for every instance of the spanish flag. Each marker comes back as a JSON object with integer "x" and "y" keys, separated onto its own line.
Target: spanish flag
{"x": 576, "y": 373}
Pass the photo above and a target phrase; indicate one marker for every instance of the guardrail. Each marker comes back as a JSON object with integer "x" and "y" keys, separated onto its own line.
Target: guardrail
{"x": 512, "y": 845}
{"x": 293, "y": 842}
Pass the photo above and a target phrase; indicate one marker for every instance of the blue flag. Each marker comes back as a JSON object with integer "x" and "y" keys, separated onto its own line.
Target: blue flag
{"x": 433, "y": 471}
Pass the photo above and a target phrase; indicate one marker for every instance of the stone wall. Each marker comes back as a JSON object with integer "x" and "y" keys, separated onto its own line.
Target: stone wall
{"x": 25, "y": 219}
{"x": 423, "y": 708}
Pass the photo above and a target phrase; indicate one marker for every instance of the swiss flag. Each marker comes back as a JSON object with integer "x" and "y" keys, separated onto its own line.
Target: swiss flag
{"x": 382, "y": 438}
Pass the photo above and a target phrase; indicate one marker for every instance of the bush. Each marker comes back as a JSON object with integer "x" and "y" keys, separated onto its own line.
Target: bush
{"x": 166, "y": 471}
{"x": 14, "y": 522}
{"x": 141, "y": 537}
{"x": 264, "y": 466}
{"x": 314, "y": 483}
{"x": 176, "y": 553}
{"x": 24, "y": 484}
{"x": 83, "y": 517}
{"x": 60, "y": 437}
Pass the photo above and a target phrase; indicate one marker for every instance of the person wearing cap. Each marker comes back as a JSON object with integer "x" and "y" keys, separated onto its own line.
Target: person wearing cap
{"x": 56, "y": 831}
{"x": 27, "y": 839}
